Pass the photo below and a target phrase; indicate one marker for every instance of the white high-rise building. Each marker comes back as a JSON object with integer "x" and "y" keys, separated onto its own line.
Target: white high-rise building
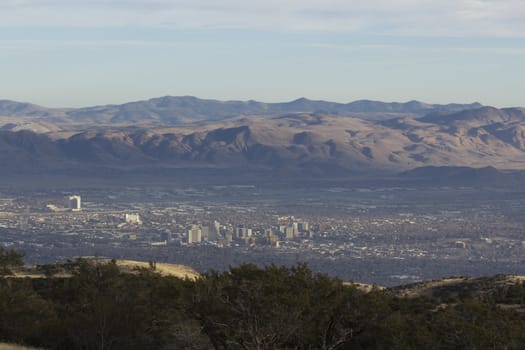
{"x": 195, "y": 234}
{"x": 75, "y": 203}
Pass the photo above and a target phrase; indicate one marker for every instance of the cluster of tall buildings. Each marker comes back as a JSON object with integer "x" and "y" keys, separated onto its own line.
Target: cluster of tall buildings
{"x": 199, "y": 233}
{"x": 292, "y": 230}
{"x": 212, "y": 232}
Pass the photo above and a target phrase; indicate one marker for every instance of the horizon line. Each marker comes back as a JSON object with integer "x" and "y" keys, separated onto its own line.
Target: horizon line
{"x": 245, "y": 101}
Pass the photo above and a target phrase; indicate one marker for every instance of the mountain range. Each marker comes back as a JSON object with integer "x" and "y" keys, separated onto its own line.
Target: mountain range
{"x": 298, "y": 137}
{"x": 170, "y": 110}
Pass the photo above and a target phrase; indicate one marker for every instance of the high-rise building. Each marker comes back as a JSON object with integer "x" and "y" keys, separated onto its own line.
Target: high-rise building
{"x": 290, "y": 234}
{"x": 74, "y": 203}
{"x": 214, "y": 231}
{"x": 217, "y": 228}
{"x": 303, "y": 226}
{"x": 195, "y": 234}
{"x": 205, "y": 233}
{"x": 244, "y": 232}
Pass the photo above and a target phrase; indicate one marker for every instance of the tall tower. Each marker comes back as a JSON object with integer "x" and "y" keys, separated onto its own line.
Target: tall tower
{"x": 195, "y": 234}
{"x": 214, "y": 231}
{"x": 75, "y": 203}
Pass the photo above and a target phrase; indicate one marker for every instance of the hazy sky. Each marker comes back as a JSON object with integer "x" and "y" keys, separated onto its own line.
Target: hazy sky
{"x": 80, "y": 52}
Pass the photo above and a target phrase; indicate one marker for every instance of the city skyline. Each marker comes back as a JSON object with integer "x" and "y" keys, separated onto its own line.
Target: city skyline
{"x": 83, "y": 53}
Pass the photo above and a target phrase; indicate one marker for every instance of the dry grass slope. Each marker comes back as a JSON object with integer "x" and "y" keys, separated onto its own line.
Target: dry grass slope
{"x": 126, "y": 266}
{"x": 367, "y": 288}
{"x": 5, "y": 346}
{"x": 180, "y": 271}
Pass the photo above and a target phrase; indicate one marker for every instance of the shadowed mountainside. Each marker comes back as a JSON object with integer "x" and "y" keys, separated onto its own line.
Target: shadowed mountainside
{"x": 291, "y": 141}
{"x": 296, "y": 143}
{"x": 464, "y": 176}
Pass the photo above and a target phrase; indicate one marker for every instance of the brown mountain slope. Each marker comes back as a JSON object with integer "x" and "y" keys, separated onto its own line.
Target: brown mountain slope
{"x": 297, "y": 141}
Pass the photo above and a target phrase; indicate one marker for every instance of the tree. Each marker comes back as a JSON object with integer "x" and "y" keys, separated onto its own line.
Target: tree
{"x": 24, "y": 315}
{"x": 276, "y": 308}
{"x": 102, "y": 308}
{"x": 10, "y": 259}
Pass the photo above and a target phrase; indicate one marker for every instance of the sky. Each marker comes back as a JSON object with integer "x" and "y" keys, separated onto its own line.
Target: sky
{"x": 72, "y": 53}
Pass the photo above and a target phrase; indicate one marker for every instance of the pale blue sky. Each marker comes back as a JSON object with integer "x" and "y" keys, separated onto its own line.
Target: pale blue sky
{"x": 79, "y": 52}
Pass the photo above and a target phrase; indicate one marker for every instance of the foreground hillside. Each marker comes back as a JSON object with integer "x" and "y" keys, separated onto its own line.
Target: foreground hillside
{"x": 103, "y": 307}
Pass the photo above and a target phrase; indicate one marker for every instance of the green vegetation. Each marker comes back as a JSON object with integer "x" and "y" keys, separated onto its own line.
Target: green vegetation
{"x": 9, "y": 259}
{"x": 102, "y": 307}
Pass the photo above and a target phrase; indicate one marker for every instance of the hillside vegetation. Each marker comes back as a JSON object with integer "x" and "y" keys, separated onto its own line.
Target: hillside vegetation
{"x": 248, "y": 307}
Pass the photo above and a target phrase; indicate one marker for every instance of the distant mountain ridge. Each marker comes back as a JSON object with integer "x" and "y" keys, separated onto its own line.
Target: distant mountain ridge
{"x": 171, "y": 110}
{"x": 482, "y": 116}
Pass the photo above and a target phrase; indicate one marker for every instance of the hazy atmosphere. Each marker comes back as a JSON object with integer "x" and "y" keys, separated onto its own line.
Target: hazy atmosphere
{"x": 79, "y": 53}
